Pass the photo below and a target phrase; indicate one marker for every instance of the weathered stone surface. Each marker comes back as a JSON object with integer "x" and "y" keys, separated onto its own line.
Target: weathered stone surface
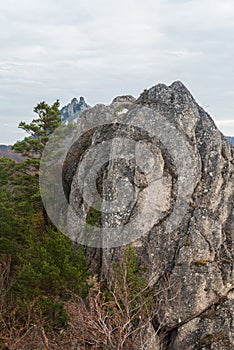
{"x": 187, "y": 225}
{"x": 213, "y": 329}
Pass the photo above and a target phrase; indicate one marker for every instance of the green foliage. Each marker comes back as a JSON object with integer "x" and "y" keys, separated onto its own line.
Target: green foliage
{"x": 45, "y": 266}
{"x": 40, "y": 129}
{"x": 51, "y": 266}
{"x": 45, "y": 310}
{"x": 201, "y": 262}
{"x": 187, "y": 242}
{"x": 45, "y": 260}
{"x": 51, "y": 311}
{"x": 10, "y": 229}
{"x": 94, "y": 217}
{"x": 130, "y": 282}
{"x": 130, "y": 268}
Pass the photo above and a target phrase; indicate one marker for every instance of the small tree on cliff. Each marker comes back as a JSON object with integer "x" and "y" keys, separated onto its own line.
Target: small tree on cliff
{"x": 40, "y": 129}
{"x": 39, "y": 266}
{"x": 32, "y": 146}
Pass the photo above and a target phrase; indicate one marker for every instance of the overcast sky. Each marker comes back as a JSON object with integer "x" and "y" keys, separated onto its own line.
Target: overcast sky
{"x": 57, "y": 49}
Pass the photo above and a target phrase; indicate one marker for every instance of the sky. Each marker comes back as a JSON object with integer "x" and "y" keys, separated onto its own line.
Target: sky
{"x": 57, "y": 49}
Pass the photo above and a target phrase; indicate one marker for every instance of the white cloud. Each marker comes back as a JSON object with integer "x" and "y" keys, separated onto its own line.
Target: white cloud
{"x": 100, "y": 48}
{"x": 226, "y": 126}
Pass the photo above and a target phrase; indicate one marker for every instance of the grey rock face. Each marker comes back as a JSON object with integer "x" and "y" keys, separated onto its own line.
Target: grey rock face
{"x": 213, "y": 329}
{"x": 183, "y": 185}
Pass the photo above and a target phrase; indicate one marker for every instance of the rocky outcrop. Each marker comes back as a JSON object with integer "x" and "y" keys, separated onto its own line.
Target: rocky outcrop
{"x": 73, "y": 110}
{"x": 166, "y": 154}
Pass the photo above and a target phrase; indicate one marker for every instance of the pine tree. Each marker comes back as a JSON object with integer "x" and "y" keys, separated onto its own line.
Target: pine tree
{"x": 40, "y": 129}
{"x": 45, "y": 265}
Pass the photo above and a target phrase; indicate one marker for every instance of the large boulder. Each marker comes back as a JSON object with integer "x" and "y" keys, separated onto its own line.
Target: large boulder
{"x": 164, "y": 152}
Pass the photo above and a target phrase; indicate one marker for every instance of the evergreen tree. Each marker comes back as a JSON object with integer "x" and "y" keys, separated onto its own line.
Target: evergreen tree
{"x": 45, "y": 266}
{"x": 40, "y": 129}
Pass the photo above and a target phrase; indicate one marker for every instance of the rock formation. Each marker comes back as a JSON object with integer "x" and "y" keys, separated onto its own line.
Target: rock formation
{"x": 73, "y": 110}
{"x": 183, "y": 185}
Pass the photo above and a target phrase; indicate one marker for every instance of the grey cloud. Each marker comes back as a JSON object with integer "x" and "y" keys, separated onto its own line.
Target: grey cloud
{"x": 99, "y": 49}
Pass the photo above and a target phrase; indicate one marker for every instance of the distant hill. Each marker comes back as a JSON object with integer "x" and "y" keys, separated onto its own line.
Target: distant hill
{"x": 6, "y": 151}
{"x": 231, "y": 139}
